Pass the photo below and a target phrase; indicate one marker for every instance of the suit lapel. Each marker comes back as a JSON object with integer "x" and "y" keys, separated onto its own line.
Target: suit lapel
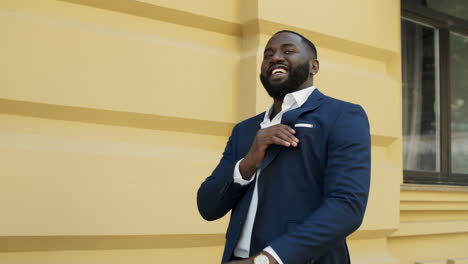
{"x": 289, "y": 118}
{"x": 315, "y": 100}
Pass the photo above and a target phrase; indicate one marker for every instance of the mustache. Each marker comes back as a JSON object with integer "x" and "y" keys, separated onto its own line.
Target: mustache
{"x": 297, "y": 76}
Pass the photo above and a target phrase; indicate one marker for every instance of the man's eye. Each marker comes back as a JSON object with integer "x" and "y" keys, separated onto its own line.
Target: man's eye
{"x": 267, "y": 55}
{"x": 288, "y": 52}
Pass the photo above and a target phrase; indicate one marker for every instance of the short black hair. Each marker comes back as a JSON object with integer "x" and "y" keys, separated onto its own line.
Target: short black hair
{"x": 308, "y": 42}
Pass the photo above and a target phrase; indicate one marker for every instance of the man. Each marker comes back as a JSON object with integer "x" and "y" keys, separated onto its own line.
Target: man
{"x": 296, "y": 178}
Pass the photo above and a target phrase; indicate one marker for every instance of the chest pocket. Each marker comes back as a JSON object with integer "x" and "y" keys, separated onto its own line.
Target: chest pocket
{"x": 312, "y": 147}
{"x": 308, "y": 133}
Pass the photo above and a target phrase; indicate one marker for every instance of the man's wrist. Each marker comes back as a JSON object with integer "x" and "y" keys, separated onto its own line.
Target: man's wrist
{"x": 247, "y": 170}
{"x": 237, "y": 175}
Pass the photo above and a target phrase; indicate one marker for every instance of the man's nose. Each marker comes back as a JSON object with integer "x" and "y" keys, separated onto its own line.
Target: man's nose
{"x": 277, "y": 57}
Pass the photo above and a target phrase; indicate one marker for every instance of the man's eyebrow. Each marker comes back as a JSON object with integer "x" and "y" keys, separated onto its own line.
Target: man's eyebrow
{"x": 285, "y": 45}
{"x": 288, "y": 45}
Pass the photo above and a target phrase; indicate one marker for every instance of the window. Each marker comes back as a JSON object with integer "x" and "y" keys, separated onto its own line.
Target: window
{"x": 435, "y": 91}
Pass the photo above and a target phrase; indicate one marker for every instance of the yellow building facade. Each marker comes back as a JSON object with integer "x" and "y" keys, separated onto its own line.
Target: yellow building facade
{"x": 113, "y": 112}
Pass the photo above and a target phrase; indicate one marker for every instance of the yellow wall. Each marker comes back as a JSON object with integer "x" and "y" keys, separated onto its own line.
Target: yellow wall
{"x": 113, "y": 112}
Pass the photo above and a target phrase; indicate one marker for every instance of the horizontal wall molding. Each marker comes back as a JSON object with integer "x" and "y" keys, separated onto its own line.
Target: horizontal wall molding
{"x": 434, "y": 206}
{"x": 332, "y": 42}
{"x": 52, "y": 243}
{"x": 255, "y": 26}
{"x": 129, "y": 119}
{"x": 431, "y": 200}
{"x": 431, "y": 262}
{"x": 382, "y": 141}
{"x": 421, "y": 228}
{"x": 449, "y": 261}
{"x": 371, "y": 233}
{"x": 433, "y": 188}
{"x": 114, "y": 118}
{"x": 458, "y": 261}
{"x": 174, "y": 16}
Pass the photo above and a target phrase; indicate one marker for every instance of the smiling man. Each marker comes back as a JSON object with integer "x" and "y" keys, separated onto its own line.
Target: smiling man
{"x": 296, "y": 177}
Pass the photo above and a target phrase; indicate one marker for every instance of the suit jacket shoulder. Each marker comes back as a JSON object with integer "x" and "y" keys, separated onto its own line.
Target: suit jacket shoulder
{"x": 252, "y": 121}
{"x": 337, "y": 107}
{"x": 340, "y": 104}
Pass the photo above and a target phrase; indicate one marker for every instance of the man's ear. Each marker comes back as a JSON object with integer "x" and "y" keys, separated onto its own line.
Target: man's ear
{"x": 314, "y": 66}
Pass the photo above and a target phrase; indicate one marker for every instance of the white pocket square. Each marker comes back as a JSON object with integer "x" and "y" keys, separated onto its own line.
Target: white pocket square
{"x": 304, "y": 125}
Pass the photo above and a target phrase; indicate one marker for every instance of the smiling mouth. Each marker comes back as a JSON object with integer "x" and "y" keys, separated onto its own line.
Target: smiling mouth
{"x": 278, "y": 73}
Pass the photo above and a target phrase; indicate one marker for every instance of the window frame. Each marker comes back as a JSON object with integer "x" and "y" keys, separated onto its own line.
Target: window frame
{"x": 444, "y": 23}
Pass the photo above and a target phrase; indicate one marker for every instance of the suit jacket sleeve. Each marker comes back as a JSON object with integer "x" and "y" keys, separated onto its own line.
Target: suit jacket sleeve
{"x": 219, "y": 193}
{"x": 346, "y": 188}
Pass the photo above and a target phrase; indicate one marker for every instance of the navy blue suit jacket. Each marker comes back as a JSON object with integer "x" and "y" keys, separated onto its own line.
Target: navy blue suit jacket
{"x": 314, "y": 195}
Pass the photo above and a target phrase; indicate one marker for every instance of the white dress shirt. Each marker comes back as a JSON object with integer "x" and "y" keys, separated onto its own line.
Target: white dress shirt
{"x": 291, "y": 101}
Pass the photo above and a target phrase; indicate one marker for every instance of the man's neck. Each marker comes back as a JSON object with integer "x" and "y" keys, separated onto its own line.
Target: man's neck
{"x": 277, "y": 105}
{"x": 278, "y": 102}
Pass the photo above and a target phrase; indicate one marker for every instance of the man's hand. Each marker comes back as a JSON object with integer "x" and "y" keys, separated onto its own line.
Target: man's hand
{"x": 278, "y": 134}
{"x": 251, "y": 260}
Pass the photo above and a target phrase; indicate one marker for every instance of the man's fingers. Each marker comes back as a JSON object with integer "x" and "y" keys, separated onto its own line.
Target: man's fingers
{"x": 288, "y": 128}
{"x": 292, "y": 137}
{"x": 288, "y": 137}
{"x": 280, "y": 141}
{"x": 283, "y": 135}
{"x": 278, "y": 134}
{"x": 289, "y": 132}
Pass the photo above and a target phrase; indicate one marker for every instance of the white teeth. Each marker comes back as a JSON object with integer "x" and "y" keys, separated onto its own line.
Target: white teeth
{"x": 278, "y": 70}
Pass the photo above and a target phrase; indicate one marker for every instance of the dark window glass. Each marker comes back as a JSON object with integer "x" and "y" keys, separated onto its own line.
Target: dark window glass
{"x": 456, "y": 8}
{"x": 459, "y": 102}
{"x": 420, "y": 97}
{"x": 435, "y": 91}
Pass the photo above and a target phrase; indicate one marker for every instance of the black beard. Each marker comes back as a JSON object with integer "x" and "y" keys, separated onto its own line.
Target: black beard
{"x": 297, "y": 76}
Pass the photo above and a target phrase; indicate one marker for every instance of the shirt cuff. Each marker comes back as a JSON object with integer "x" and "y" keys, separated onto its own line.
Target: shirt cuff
{"x": 238, "y": 177}
{"x": 273, "y": 253}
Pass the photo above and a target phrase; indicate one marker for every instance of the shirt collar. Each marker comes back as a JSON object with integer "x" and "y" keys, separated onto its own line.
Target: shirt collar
{"x": 301, "y": 96}
{"x": 298, "y": 97}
